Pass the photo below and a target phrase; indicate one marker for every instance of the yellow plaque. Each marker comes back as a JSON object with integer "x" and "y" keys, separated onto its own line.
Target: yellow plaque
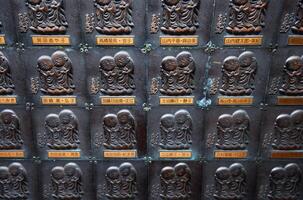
{"x": 64, "y": 154}
{"x": 249, "y": 41}
{"x": 235, "y": 100}
{"x": 287, "y": 154}
{"x": 115, "y": 40}
{"x": 8, "y": 100}
{"x": 288, "y": 100}
{"x": 175, "y": 154}
{"x": 118, "y": 100}
{"x": 51, "y": 39}
{"x": 2, "y": 40}
{"x": 176, "y": 100}
{"x": 295, "y": 40}
{"x": 179, "y": 40}
{"x": 12, "y": 154}
{"x": 49, "y": 100}
{"x": 231, "y": 154}
{"x": 120, "y": 154}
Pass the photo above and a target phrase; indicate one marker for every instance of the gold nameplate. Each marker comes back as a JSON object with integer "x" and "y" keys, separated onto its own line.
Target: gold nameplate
{"x": 64, "y": 154}
{"x": 231, "y": 154}
{"x": 8, "y": 100}
{"x": 115, "y": 40}
{"x": 49, "y": 100}
{"x": 179, "y": 40}
{"x": 288, "y": 100}
{"x": 249, "y": 41}
{"x": 12, "y": 154}
{"x": 175, "y": 154}
{"x": 295, "y": 40}
{"x": 224, "y": 100}
{"x": 118, "y": 100}
{"x": 120, "y": 154}
{"x": 287, "y": 154}
{"x": 2, "y": 40}
{"x": 51, "y": 39}
{"x": 176, "y": 100}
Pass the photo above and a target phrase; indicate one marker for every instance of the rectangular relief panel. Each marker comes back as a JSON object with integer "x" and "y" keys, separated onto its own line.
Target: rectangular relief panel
{"x": 118, "y": 132}
{"x": 62, "y": 133}
{"x": 238, "y": 77}
{"x": 175, "y": 133}
{"x": 116, "y": 77}
{"x": 175, "y": 77}
{"x": 66, "y": 179}
{"x": 113, "y": 23}
{"x": 246, "y": 23}
{"x": 7, "y": 24}
{"x": 48, "y": 23}
{"x": 285, "y": 80}
{"x": 229, "y": 180}
{"x": 282, "y": 133}
{"x": 55, "y": 77}
{"x": 279, "y": 180}
{"x": 232, "y": 133}
{"x": 169, "y": 179}
{"x": 133, "y": 177}
{"x": 178, "y": 23}
{"x": 17, "y": 141}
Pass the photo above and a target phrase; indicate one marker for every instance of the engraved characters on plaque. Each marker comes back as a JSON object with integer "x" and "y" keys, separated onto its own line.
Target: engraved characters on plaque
{"x": 288, "y": 131}
{"x": 62, "y": 131}
{"x": 176, "y": 131}
{"x": 121, "y": 182}
{"x": 119, "y": 131}
{"x": 6, "y": 83}
{"x": 284, "y": 182}
{"x": 233, "y": 131}
{"x": 175, "y": 182}
{"x": 180, "y": 17}
{"x": 10, "y": 133}
{"x": 117, "y": 74}
{"x": 238, "y": 75}
{"x": 46, "y": 16}
{"x": 113, "y": 17}
{"x": 56, "y": 74}
{"x": 66, "y": 182}
{"x": 13, "y": 182}
{"x": 231, "y": 182}
{"x": 177, "y": 74}
{"x": 246, "y": 16}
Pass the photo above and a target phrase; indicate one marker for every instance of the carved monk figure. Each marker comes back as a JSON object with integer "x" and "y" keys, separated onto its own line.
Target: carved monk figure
{"x": 248, "y": 69}
{"x": 293, "y": 77}
{"x": 180, "y": 17}
{"x": 224, "y": 131}
{"x": 127, "y": 135}
{"x": 111, "y": 131}
{"x": 169, "y": 72}
{"x": 109, "y": 75}
{"x": 73, "y": 183}
{"x": 18, "y": 179}
{"x": 125, "y": 66}
{"x": 222, "y": 182}
{"x": 128, "y": 181}
{"x": 46, "y": 73}
{"x": 6, "y": 83}
{"x": 282, "y": 131}
{"x": 238, "y": 183}
{"x": 167, "y": 131}
{"x": 4, "y": 183}
{"x": 113, "y": 182}
{"x": 183, "y": 181}
{"x": 69, "y": 128}
{"x": 185, "y": 79}
{"x": 105, "y": 15}
{"x": 53, "y": 131}
{"x": 37, "y": 15}
{"x": 123, "y": 16}
{"x": 297, "y": 122}
{"x": 294, "y": 175}
{"x": 241, "y": 129}
{"x": 230, "y": 71}
{"x": 183, "y": 129}
{"x": 167, "y": 183}
{"x": 57, "y": 181}
{"x": 297, "y": 28}
{"x": 10, "y": 130}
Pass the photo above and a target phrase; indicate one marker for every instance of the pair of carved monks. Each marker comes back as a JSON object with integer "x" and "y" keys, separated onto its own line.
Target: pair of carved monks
{"x": 175, "y": 182}
{"x": 288, "y": 131}
{"x": 121, "y": 182}
{"x": 66, "y": 182}
{"x": 13, "y": 182}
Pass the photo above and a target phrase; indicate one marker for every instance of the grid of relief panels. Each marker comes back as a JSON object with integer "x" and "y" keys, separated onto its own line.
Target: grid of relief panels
{"x": 151, "y": 99}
